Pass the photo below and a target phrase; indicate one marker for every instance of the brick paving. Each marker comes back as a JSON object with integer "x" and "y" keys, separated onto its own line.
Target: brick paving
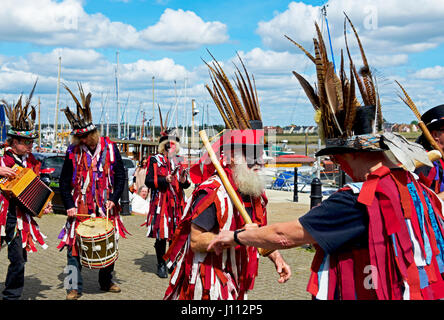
{"x": 135, "y": 270}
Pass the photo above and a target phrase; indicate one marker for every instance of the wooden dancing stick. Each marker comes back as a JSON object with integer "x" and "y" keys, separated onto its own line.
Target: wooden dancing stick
{"x": 230, "y": 190}
{"x": 409, "y": 102}
{"x": 433, "y": 156}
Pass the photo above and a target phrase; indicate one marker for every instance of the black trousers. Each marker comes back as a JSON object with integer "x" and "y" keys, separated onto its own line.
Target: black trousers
{"x": 74, "y": 280}
{"x": 15, "y": 277}
{"x": 160, "y": 246}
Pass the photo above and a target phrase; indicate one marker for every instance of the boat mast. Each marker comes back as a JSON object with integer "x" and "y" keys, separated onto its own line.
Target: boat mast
{"x": 57, "y": 101}
{"x": 154, "y": 134}
{"x": 185, "y": 118}
{"x": 117, "y": 94}
{"x": 40, "y": 128}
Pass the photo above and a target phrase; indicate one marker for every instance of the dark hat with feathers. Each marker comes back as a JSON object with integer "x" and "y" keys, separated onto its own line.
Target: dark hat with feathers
{"x": 166, "y": 134}
{"x": 240, "y": 110}
{"x": 243, "y": 113}
{"x": 434, "y": 118}
{"x": 344, "y": 124}
{"x": 21, "y": 121}
{"x": 81, "y": 122}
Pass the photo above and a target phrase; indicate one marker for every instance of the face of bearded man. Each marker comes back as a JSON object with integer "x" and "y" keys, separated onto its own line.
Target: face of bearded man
{"x": 249, "y": 181}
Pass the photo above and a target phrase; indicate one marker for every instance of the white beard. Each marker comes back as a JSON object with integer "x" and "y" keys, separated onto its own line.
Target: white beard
{"x": 249, "y": 182}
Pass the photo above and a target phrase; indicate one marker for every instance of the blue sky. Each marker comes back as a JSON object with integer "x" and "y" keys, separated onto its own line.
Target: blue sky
{"x": 168, "y": 38}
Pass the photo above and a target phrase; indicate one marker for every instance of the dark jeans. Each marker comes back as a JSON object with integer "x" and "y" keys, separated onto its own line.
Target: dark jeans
{"x": 74, "y": 265}
{"x": 15, "y": 278}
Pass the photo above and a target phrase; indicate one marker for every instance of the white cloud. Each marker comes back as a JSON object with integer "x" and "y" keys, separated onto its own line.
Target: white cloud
{"x": 268, "y": 61}
{"x": 184, "y": 30}
{"x": 384, "y": 26}
{"x": 65, "y": 23}
{"x": 432, "y": 73}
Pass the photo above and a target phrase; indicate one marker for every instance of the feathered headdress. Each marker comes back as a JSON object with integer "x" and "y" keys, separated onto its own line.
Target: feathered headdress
{"x": 167, "y": 134}
{"x": 81, "y": 122}
{"x": 243, "y": 113}
{"x": 20, "y": 120}
{"x": 343, "y": 123}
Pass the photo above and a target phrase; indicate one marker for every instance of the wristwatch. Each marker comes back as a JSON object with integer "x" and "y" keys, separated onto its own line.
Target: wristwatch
{"x": 235, "y": 236}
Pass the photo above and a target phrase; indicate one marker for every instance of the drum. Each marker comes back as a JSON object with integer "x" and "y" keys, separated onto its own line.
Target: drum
{"x": 97, "y": 244}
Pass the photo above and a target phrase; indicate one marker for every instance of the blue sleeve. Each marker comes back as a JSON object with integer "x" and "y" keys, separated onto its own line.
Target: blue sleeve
{"x": 337, "y": 222}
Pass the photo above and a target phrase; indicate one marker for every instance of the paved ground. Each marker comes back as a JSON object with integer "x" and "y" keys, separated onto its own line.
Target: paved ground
{"x": 135, "y": 269}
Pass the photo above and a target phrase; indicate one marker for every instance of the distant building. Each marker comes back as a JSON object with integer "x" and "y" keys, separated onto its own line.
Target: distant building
{"x": 277, "y": 129}
{"x": 294, "y": 129}
{"x": 402, "y": 127}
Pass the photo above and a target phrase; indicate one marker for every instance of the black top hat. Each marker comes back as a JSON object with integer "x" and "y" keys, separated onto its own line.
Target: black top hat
{"x": 363, "y": 139}
{"x": 169, "y": 137}
{"x": 434, "y": 118}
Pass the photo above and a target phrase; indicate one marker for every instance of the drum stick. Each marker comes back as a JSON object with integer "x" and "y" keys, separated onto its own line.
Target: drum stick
{"x": 106, "y": 225}
{"x": 230, "y": 190}
{"x": 82, "y": 215}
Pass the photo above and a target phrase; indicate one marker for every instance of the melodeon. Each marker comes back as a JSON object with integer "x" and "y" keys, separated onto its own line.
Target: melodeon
{"x": 32, "y": 194}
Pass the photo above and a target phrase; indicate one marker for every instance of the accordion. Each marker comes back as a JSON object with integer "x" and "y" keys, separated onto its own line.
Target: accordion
{"x": 27, "y": 188}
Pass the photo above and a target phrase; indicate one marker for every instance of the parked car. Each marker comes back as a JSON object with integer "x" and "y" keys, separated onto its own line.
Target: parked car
{"x": 129, "y": 164}
{"x": 50, "y": 171}
{"x": 50, "y": 161}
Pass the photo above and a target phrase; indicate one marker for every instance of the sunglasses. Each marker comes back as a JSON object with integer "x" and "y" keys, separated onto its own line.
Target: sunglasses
{"x": 26, "y": 142}
{"x": 83, "y": 136}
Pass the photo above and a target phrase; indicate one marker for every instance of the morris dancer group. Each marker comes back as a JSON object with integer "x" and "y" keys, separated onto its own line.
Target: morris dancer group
{"x": 379, "y": 237}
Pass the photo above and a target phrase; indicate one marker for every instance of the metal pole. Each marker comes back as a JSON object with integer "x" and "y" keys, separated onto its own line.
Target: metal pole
{"x": 295, "y": 185}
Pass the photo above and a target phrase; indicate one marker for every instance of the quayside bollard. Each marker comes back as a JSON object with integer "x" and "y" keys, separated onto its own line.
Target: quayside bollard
{"x": 295, "y": 185}
{"x": 316, "y": 193}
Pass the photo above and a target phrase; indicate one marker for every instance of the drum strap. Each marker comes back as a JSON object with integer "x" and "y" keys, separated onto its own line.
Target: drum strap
{"x": 103, "y": 156}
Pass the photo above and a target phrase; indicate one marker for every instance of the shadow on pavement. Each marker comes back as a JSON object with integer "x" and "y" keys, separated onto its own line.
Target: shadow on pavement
{"x": 147, "y": 263}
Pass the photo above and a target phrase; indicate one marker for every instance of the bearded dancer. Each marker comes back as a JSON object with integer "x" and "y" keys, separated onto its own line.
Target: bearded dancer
{"x": 200, "y": 273}
{"x": 167, "y": 180}
{"x": 380, "y": 237}
{"x": 17, "y": 227}
{"x": 91, "y": 183}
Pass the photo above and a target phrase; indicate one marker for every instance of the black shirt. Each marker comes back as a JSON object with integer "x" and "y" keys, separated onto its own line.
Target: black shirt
{"x": 207, "y": 220}
{"x": 338, "y": 223}
{"x": 67, "y": 174}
